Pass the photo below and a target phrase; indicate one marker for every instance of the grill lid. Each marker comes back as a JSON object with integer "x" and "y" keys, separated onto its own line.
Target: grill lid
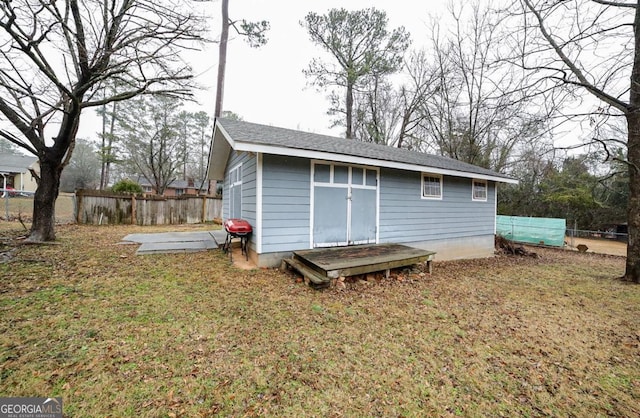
{"x": 237, "y": 226}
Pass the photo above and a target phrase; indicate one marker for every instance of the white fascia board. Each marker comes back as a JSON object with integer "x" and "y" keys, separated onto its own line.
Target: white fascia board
{"x": 351, "y": 159}
{"x": 226, "y": 134}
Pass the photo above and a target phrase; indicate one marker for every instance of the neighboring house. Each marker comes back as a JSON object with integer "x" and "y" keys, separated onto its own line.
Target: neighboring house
{"x": 177, "y": 187}
{"x": 301, "y": 190}
{"x": 14, "y": 169}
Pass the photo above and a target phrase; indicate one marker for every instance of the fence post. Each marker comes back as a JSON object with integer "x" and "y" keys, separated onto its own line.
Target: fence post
{"x": 78, "y": 205}
{"x": 133, "y": 209}
{"x": 74, "y": 199}
{"x": 204, "y": 209}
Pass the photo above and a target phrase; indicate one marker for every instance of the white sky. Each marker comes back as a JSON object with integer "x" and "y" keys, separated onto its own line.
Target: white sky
{"x": 266, "y": 85}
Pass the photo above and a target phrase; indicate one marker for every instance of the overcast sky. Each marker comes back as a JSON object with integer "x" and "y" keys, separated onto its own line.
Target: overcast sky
{"x": 266, "y": 85}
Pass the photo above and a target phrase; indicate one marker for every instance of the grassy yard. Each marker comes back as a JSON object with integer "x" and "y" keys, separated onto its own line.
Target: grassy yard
{"x": 189, "y": 335}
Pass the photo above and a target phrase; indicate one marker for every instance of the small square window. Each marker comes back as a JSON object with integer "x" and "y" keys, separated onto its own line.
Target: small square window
{"x": 480, "y": 190}
{"x": 432, "y": 186}
{"x": 371, "y": 178}
{"x": 341, "y": 174}
{"x": 322, "y": 173}
{"x": 357, "y": 176}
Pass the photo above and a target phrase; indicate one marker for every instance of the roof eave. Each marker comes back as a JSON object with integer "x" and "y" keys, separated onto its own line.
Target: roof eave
{"x": 345, "y": 158}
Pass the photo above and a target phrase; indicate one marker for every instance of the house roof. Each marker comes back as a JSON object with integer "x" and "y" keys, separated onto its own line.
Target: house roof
{"x": 251, "y": 137}
{"x": 16, "y": 163}
{"x": 177, "y": 184}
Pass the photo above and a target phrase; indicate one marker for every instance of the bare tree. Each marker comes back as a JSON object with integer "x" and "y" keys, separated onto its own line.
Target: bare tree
{"x": 203, "y": 135}
{"x": 57, "y": 56}
{"x": 83, "y": 170}
{"x": 412, "y": 97}
{"x": 478, "y": 110}
{"x": 590, "y": 48}
{"x": 152, "y": 139}
{"x": 108, "y": 148}
{"x": 377, "y": 112}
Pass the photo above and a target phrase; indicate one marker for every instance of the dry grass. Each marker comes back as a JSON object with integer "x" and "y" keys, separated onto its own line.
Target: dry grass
{"x": 189, "y": 335}
{"x": 22, "y": 207}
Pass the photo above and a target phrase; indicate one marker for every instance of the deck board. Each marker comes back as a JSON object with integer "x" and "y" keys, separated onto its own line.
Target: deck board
{"x": 360, "y": 259}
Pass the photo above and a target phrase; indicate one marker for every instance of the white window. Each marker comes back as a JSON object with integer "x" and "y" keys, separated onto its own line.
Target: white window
{"x": 431, "y": 186}
{"x": 339, "y": 174}
{"x": 235, "y": 192}
{"x": 479, "y": 190}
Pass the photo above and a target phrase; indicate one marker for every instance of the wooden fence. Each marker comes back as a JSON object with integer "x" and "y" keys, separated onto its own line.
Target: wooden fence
{"x": 99, "y": 208}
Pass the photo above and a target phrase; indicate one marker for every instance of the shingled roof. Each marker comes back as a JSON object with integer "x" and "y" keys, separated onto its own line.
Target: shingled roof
{"x": 16, "y": 163}
{"x": 246, "y": 136}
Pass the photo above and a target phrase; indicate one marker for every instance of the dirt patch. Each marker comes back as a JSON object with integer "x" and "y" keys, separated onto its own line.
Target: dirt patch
{"x": 600, "y": 246}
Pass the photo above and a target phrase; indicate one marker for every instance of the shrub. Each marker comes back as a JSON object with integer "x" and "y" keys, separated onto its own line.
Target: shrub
{"x": 126, "y": 186}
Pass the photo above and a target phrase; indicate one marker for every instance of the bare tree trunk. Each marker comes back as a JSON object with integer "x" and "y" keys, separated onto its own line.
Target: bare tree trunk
{"x": 633, "y": 157}
{"x": 103, "y": 165}
{"x": 107, "y": 144}
{"x": 112, "y": 130}
{"x": 632, "y": 272}
{"x": 349, "y": 105}
{"x": 44, "y": 202}
{"x": 222, "y": 58}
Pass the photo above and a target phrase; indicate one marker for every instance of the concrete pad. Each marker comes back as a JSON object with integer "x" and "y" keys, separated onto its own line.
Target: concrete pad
{"x": 170, "y": 237}
{"x": 172, "y": 242}
{"x": 220, "y": 235}
{"x": 175, "y": 247}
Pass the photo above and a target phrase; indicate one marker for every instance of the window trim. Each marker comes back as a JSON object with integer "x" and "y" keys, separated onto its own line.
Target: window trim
{"x": 433, "y": 175}
{"x": 473, "y": 190}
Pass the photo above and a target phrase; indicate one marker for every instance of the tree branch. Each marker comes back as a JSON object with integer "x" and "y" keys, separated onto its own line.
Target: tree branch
{"x": 611, "y": 100}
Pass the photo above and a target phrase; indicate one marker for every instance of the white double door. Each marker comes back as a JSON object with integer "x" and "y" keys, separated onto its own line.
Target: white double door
{"x": 345, "y": 205}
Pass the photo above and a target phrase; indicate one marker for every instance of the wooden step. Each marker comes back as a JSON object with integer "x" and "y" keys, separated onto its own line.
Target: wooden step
{"x": 307, "y": 272}
{"x": 309, "y": 265}
{"x": 334, "y": 262}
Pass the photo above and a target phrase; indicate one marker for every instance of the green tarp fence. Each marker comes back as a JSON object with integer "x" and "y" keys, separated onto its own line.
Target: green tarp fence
{"x": 547, "y": 231}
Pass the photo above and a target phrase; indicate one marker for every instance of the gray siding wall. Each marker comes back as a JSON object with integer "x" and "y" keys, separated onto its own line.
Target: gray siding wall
{"x": 286, "y": 203}
{"x": 248, "y": 188}
{"x": 405, "y": 217}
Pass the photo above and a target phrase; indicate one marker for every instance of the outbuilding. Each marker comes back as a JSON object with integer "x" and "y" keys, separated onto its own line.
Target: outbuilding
{"x": 302, "y": 190}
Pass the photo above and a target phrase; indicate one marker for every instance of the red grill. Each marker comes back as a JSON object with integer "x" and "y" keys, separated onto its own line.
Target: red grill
{"x": 237, "y": 228}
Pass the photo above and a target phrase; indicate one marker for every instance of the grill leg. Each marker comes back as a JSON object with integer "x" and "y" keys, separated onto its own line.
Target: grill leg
{"x": 244, "y": 240}
{"x": 227, "y": 243}
{"x": 227, "y": 247}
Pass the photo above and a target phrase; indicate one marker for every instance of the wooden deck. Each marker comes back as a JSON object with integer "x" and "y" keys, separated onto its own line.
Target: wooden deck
{"x": 320, "y": 265}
